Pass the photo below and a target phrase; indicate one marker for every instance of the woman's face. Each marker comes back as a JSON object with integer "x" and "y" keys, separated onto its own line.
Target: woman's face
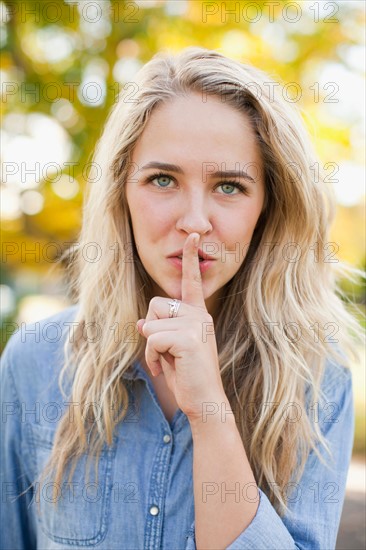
{"x": 199, "y": 138}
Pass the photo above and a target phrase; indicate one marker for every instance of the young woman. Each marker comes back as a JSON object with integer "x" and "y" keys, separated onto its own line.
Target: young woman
{"x": 197, "y": 395}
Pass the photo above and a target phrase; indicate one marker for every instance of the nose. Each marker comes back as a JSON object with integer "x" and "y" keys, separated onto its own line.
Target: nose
{"x": 193, "y": 216}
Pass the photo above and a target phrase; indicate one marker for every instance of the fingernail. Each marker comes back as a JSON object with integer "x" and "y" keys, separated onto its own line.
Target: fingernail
{"x": 196, "y": 241}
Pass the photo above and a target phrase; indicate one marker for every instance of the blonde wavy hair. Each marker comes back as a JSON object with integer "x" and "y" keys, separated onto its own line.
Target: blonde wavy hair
{"x": 260, "y": 360}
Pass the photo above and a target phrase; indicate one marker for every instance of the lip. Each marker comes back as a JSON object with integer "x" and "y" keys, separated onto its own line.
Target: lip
{"x": 200, "y": 253}
{"x": 178, "y": 263}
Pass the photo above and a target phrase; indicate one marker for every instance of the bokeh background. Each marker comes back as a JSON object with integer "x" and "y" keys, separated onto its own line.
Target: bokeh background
{"x": 63, "y": 64}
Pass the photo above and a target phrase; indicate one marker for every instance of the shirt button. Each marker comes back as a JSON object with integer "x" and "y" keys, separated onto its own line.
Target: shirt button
{"x": 166, "y": 438}
{"x": 154, "y": 510}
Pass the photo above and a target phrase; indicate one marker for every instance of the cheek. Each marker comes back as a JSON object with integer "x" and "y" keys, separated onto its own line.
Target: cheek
{"x": 238, "y": 226}
{"x": 237, "y": 231}
{"x": 150, "y": 218}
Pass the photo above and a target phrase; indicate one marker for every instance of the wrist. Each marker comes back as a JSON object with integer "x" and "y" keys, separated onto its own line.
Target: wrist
{"x": 214, "y": 414}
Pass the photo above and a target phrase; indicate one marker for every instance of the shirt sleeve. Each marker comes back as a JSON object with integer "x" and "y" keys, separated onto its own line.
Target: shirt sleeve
{"x": 315, "y": 503}
{"x": 17, "y": 520}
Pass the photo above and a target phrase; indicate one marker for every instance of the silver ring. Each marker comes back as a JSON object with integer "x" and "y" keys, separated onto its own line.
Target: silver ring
{"x": 173, "y": 308}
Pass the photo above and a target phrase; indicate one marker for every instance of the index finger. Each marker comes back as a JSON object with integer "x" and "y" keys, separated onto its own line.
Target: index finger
{"x": 192, "y": 289}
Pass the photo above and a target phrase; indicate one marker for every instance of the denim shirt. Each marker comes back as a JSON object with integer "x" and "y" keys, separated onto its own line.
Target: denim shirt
{"x": 144, "y": 497}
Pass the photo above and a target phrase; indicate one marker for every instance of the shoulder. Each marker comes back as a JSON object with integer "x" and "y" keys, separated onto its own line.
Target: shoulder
{"x": 336, "y": 378}
{"x": 336, "y": 373}
{"x": 336, "y": 387}
{"x": 34, "y": 354}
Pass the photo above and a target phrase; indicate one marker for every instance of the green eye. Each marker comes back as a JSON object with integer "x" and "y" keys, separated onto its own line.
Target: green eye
{"x": 230, "y": 186}
{"x": 162, "y": 179}
{"x": 233, "y": 185}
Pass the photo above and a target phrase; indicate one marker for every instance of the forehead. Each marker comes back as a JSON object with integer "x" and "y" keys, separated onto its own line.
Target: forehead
{"x": 191, "y": 130}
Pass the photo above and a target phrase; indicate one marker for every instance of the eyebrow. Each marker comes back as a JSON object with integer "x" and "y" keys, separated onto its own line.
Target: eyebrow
{"x": 218, "y": 174}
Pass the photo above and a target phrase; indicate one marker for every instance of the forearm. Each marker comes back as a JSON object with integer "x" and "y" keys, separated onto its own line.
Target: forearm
{"x": 225, "y": 490}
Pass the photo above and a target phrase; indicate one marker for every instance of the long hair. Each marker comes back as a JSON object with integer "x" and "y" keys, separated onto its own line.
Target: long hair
{"x": 268, "y": 352}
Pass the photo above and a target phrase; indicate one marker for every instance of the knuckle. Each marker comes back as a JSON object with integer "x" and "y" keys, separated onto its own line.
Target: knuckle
{"x": 154, "y": 301}
{"x": 153, "y": 338}
{"x": 205, "y": 317}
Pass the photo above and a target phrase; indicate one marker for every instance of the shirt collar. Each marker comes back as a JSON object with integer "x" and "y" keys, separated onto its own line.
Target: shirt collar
{"x": 135, "y": 371}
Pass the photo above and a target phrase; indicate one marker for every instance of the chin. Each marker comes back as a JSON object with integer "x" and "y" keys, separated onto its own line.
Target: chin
{"x": 168, "y": 292}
